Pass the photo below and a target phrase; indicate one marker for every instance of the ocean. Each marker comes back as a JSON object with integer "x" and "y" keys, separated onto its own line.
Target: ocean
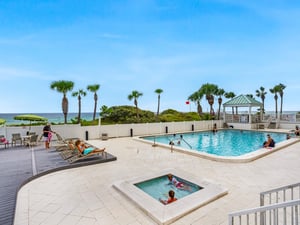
{"x": 59, "y": 117}
{"x": 52, "y": 117}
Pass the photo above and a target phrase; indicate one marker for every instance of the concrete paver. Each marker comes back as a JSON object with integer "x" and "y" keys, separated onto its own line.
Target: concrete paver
{"x": 85, "y": 195}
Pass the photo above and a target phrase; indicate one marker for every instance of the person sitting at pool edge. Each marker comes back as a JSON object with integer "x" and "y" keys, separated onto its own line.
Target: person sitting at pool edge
{"x": 269, "y": 142}
{"x": 170, "y": 199}
{"x": 85, "y": 150}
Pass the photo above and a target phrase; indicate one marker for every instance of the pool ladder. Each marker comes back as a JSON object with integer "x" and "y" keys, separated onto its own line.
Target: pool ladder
{"x": 187, "y": 143}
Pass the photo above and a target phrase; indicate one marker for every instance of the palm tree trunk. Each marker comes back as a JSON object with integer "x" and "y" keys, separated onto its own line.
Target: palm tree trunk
{"x": 136, "y": 108}
{"x": 95, "y": 105}
{"x": 158, "y": 106}
{"x": 65, "y": 107}
{"x": 79, "y": 109}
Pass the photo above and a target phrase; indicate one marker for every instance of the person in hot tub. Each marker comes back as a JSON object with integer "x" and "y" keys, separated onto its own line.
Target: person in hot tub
{"x": 177, "y": 183}
{"x": 170, "y": 199}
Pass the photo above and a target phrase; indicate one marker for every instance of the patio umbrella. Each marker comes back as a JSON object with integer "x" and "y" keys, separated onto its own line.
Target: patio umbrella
{"x": 30, "y": 118}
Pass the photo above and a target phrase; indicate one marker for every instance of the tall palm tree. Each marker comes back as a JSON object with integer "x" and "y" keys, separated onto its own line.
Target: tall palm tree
{"x": 196, "y": 97}
{"x": 230, "y": 95}
{"x": 261, "y": 93}
{"x": 63, "y": 86}
{"x": 275, "y": 90}
{"x": 281, "y": 87}
{"x": 158, "y": 92}
{"x": 94, "y": 88}
{"x": 220, "y": 92}
{"x": 209, "y": 90}
{"x": 78, "y": 94}
{"x": 135, "y": 95}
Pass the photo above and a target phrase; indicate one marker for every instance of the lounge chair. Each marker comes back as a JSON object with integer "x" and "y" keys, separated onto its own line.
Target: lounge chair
{"x": 80, "y": 156}
{"x": 61, "y": 143}
{"x": 16, "y": 138}
{"x": 67, "y": 151}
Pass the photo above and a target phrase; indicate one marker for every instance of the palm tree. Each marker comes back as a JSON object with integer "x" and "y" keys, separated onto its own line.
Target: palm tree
{"x": 63, "y": 86}
{"x": 94, "y": 88}
{"x": 104, "y": 111}
{"x": 230, "y": 95}
{"x": 78, "y": 94}
{"x": 209, "y": 90}
{"x": 274, "y": 91}
{"x": 261, "y": 93}
{"x": 158, "y": 92}
{"x": 281, "y": 87}
{"x": 135, "y": 95}
{"x": 220, "y": 92}
{"x": 196, "y": 97}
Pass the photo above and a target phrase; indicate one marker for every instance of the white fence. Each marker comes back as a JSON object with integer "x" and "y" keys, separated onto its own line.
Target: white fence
{"x": 116, "y": 130}
{"x": 127, "y": 130}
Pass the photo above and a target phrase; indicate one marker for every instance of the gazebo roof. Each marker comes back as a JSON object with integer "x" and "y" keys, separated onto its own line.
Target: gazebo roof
{"x": 242, "y": 101}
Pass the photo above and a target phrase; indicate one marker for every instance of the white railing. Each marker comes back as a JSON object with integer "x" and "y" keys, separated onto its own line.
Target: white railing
{"x": 281, "y": 194}
{"x": 279, "y": 206}
{"x": 285, "y": 213}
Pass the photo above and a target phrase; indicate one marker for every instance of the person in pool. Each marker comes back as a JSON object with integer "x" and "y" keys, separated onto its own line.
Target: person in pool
{"x": 269, "y": 143}
{"x": 178, "y": 184}
{"x": 170, "y": 199}
{"x": 85, "y": 150}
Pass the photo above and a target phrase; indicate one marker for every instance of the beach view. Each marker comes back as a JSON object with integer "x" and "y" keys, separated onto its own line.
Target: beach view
{"x": 113, "y": 111}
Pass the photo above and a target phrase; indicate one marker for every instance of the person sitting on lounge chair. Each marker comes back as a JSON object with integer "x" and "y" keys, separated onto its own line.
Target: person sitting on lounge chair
{"x": 85, "y": 150}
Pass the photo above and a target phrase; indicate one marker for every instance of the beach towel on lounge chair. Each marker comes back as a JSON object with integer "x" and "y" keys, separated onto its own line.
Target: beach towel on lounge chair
{"x": 79, "y": 156}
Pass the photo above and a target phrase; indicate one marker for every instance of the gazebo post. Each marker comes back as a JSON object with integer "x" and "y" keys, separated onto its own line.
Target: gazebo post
{"x": 250, "y": 120}
{"x": 261, "y": 113}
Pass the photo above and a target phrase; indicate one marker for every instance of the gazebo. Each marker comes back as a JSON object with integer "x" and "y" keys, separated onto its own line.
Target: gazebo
{"x": 243, "y": 101}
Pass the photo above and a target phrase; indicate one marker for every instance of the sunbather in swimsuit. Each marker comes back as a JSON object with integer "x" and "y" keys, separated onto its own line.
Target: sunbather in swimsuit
{"x": 85, "y": 150}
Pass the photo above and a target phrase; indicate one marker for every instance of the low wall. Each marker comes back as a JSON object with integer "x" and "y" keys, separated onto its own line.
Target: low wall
{"x": 127, "y": 130}
{"x": 116, "y": 130}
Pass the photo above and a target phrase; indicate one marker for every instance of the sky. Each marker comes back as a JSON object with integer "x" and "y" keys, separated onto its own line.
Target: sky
{"x": 143, "y": 45}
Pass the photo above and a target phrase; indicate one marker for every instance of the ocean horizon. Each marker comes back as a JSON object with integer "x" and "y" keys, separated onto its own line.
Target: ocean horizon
{"x": 52, "y": 117}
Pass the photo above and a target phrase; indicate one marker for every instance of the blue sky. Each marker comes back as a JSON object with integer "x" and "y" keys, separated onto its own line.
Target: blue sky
{"x": 142, "y": 45}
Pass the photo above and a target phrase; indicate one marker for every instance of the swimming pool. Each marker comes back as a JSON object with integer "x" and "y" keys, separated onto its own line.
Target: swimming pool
{"x": 226, "y": 145}
{"x": 159, "y": 187}
{"x": 221, "y": 143}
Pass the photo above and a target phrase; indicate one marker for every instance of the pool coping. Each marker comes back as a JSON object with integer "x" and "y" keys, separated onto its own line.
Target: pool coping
{"x": 166, "y": 214}
{"x": 248, "y": 157}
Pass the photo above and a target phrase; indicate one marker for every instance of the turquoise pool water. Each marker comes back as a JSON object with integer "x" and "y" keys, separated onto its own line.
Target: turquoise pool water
{"x": 221, "y": 143}
{"x": 159, "y": 187}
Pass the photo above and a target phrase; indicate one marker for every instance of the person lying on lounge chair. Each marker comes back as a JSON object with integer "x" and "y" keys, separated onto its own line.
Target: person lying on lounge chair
{"x": 85, "y": 150}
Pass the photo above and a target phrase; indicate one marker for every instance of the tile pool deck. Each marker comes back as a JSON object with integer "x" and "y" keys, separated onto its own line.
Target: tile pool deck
{"x": 86, "y": 195}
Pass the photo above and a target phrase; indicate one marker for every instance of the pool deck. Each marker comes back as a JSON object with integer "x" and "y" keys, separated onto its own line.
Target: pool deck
{"x": 85, "y": 195}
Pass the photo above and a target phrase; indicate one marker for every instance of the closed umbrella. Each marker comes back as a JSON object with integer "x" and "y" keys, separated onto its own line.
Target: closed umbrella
{"x": 30, "y": 118}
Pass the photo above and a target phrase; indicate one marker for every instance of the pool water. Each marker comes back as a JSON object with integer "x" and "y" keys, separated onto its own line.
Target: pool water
{"x": 221, "y": 143}
{"x": 159, "y": 187}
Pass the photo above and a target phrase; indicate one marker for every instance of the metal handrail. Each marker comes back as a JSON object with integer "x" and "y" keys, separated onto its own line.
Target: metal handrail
{"x": 283, "y": 189}
{"x": 261, "y": 212}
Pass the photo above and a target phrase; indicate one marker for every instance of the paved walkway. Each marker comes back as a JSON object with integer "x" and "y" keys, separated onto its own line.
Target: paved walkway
{"x": 85, "y": 196}
{"x": 20, "y": 165}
